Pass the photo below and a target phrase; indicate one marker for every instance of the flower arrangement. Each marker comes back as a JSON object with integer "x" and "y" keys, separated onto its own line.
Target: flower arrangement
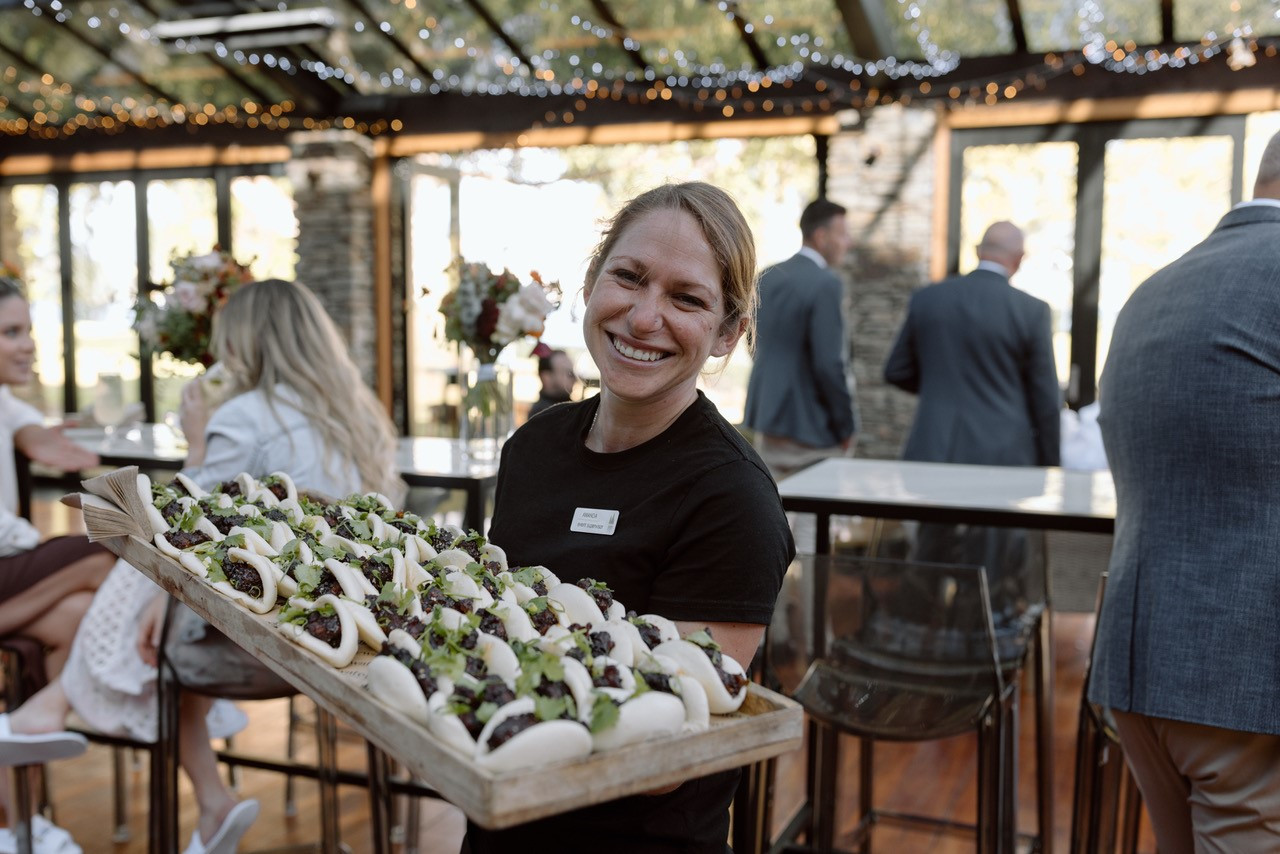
{"x": 487, "y": 310}
{"x": 182, "y": 322}
{"x": 10, "y": 270}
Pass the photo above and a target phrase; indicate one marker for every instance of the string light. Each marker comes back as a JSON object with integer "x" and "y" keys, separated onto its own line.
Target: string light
{"x": 813, "y": 79}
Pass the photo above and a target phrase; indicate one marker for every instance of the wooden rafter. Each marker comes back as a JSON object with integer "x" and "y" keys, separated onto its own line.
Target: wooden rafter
{"x": 496, "y": 26}
{"x": 867, "y": 26}
{"x": 110, "y": 57}
{"x": 392, "y": 39}
{"x": 758, "y": 56}
{"x": 620, "y": 35}
{"x": 1166, "y": 21}
{"x": 1016, "y": 25}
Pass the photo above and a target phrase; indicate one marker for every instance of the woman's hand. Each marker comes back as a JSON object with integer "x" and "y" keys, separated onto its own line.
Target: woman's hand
{"x": 193, "y": 416}
{"x": 150, "y": 626}
{"x": 50, "y": 447}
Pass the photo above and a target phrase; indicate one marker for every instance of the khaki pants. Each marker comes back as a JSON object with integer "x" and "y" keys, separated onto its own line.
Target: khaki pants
{"x": 1206, "y": 789}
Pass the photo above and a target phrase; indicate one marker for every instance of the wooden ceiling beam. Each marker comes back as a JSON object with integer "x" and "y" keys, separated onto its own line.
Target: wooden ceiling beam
{"x": 1016, "y": 25}
{"x": 110, "y": 57}
{"x": 868, "y": 27}
{"x": 1166, "y": 21}
{"x": 496, "y": 27}
{"x": 620, "y": 35}
{"x": 393, "y": 40}
{"x": 747, "y": 34}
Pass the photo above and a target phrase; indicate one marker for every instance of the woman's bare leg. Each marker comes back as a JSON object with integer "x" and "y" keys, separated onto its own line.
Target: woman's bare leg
{"x": 198, "y": 759}
{"x": 55, "y": 628}
{"x": 23, "y": 610}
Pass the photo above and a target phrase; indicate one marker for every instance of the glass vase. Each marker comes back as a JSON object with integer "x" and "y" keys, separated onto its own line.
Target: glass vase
{"x": 488, "y": 410}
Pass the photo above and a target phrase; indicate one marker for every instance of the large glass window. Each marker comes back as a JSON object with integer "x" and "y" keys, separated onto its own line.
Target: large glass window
{"x": 264, "y": 228}
{"x": 182, "y": 217}
{"x": 31, "y": 242}
{"x": 104, "y": 272}
{"x": 995, "y": 187}
{"x": 1155, "y": 208}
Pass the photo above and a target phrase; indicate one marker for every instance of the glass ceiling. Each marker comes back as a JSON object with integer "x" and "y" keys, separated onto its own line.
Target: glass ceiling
{"x": 92, "y": 62}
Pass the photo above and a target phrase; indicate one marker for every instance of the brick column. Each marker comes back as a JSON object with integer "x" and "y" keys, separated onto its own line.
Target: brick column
{"x": 883, "y": 172}
{"x": 330, "y": 173}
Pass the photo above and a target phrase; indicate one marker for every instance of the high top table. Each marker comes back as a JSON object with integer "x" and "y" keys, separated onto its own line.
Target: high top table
{"x": 422, "y": 460}
{"x": 999, "y": 496}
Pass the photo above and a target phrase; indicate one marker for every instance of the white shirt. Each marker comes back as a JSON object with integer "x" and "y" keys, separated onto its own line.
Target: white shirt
{"x": 1275, "y": 203}
{"x": 814, "y": 256}
{"x": 993, "y": 267}
{"x": 16, "y": 534}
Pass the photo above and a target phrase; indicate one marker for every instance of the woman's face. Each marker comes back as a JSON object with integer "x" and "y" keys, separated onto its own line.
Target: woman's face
{"x": 17, "y": 348}
{"x": 655, "y": 312}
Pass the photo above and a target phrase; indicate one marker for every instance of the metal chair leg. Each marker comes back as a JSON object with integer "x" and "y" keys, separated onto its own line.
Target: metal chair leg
{"x": 20, "y": 822}
{"x": 327, "y": 743}
{"x": 291, "y": 748}
{"x": 119, "y": 797}
{"x": 380, "y": 800}
{"x": 1044, "y": 731}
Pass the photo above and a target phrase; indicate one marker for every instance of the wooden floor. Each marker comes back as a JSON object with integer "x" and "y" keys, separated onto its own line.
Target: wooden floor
{"x": 934, "y": 777}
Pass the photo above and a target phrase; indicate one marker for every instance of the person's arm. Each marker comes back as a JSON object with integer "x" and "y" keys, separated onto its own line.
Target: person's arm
{"x": 1040, "y": 379}
{"x": 902, "y": 368}
{"x": 827, "y": 343}
{"x": 739, "y": 641}
{"x": 49, "y": 446}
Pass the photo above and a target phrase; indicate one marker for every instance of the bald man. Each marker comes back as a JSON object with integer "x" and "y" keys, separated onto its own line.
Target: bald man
{"x": 1188, "y": 649}
{"x": 979, "y": 354}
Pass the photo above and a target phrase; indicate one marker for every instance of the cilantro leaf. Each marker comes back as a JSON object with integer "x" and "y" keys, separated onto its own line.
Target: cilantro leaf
{"x": 604, "y": 713}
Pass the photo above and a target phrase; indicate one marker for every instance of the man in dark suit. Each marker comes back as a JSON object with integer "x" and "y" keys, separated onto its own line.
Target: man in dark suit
{"x": 798, "y": 399}
{"x": 1188, "y": 649}
{"x": 979, "y": 353}
{"x": 555, "y": 370}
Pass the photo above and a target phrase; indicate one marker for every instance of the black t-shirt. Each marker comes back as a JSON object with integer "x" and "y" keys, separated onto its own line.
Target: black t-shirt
{"x": 699, "y": 534}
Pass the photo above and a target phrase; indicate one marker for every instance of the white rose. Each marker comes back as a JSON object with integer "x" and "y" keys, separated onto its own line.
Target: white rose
{"x": 208, "y": 263}
{"x": 190, "y": 297}
{"x": 513, "y": 321}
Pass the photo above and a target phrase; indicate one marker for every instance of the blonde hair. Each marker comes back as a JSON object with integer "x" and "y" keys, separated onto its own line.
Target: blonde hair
{"x": 275, "y": 332}
{"x": 724, "y": 228}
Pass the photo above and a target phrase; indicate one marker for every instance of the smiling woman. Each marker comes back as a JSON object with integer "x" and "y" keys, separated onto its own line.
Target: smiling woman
{"x": 695, "y": 531}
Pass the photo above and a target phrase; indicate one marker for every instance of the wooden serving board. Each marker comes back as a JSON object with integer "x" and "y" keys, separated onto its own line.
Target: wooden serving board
{"x": 767, "y": 725}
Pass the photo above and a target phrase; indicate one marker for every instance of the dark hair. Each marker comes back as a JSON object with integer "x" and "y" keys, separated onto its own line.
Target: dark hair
{"x": 544, "y": 362}
{"x": 817, "y": 214}
{"x": 10, "y": 287}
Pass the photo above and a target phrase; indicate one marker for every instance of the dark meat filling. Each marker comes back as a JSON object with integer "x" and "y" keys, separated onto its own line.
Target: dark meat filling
{"x": 648, "y": 633}
{"x": 542, "y": 620}
{"x": 388, "y": 617}
{"x": 509, "y": 729}
{"x": 440, "y": 541}
{"x": 489, "y": 583}
{"x": 657, "y": 681}
{"x": 224, "y": 523}
{"x": 376, "y": 571}
{"x": 322, "y": 628}
{"x": 243, "y": 577}
{"x": 275, "y": 514}
{"x": 472, "y": 548}
{"x": 491, "y": 623}
{"x": 602, "y": 597}
{"x": 433, "y": 596}
{"x": 176, "y": 486}
{"x": 333, "y": 516}
{"x": 609, "y": 677}
{"x": 553, "y": 690}
{"x": 184, "y": 540}
{"x": 402, "y": 524}
{"x": 328, "y": 584}
{"x": 279, "y": 491}
{"x": 229, "y": 487}
{"x": 732, "y": 682}
{"x": 492, "y": 690}
{"x": 171, "y": 511}
{"x": 601, "y": 643}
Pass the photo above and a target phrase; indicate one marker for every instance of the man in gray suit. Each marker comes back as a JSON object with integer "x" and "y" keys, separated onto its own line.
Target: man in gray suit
{"x": 798, "y": 398}
{"x": 979, "y": 353}
{"x": 1188, "y": 649}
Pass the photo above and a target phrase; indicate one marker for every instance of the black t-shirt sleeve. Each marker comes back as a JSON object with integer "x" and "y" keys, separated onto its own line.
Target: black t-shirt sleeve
{"x": 730, "y": 548}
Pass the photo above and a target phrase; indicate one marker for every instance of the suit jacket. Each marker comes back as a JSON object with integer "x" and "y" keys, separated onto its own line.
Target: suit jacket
{"x": 799, "y": 387}
{"x": 1190, "y": 416}
{"x": 979, "y": 353}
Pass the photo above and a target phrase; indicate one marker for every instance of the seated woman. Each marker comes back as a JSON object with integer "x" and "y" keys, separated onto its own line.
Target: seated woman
{"x": 45, "y": 587}
{"x": 300, "y": 406}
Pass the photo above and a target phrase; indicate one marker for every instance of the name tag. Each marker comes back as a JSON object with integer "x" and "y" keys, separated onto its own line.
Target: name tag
{"x": 589, "y": 520}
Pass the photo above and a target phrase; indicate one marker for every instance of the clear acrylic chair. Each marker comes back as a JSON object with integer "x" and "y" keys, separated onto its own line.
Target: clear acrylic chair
{"x": 906, "y": 651}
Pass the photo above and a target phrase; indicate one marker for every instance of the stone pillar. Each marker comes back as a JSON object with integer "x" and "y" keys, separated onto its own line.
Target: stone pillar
{"x": 883, "y": 172}
{"x": 331, "y": 176}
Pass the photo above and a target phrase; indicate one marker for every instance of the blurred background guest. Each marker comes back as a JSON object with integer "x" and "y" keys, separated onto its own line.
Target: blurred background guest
{"x": 555, "y": 370}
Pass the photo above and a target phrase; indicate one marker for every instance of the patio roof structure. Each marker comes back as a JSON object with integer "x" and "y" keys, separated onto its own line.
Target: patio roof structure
{"x": 84, "y": 75}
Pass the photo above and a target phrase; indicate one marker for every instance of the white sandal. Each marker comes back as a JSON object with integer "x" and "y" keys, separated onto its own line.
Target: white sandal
{"x": 37, "y": 748}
